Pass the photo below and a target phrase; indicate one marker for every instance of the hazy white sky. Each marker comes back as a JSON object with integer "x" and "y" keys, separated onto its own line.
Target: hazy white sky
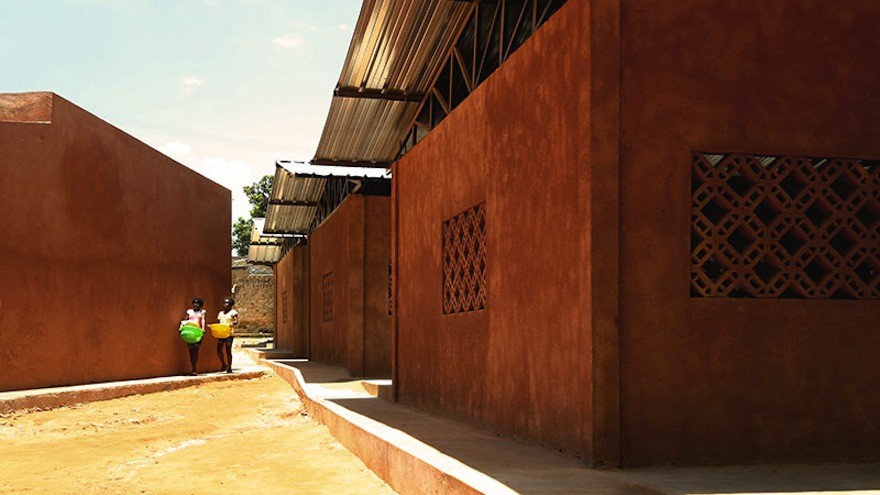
{"x": 224, "y": 86}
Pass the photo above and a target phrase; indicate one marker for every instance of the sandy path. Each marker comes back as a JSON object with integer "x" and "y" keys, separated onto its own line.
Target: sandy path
{"x": 219, "y": 438}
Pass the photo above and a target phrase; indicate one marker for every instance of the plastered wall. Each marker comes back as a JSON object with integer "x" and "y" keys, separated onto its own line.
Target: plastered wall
{"x": 105, "y": 242}
{"x": 377, "y": 257}
{"x": 348, "y": 264}
{"x": 590, "y": 341}
{"x": 292, "y": 302}
{"x": 518, "y": 144}
{"x": 708, "y": 380}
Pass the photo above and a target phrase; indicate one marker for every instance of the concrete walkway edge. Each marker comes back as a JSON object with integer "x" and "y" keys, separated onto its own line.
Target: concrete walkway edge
{"x": 51, "y": 398}
{"x": 408, "y": 465}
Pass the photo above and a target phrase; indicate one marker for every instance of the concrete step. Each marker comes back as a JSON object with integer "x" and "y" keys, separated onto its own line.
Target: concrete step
{"x": 263, "y": 353}
{"x": 380, "y": 388}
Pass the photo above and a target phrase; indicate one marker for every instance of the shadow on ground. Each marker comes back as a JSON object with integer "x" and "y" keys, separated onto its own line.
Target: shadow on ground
{"x": 533, "y": 470}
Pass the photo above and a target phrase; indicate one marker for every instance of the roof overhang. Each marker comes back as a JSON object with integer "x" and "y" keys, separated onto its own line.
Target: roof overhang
{"x": 299, "y": 200}
{"x": 293, "y": 202}
{"x": 396, "y": 52}
{"x": 265, "y": 249}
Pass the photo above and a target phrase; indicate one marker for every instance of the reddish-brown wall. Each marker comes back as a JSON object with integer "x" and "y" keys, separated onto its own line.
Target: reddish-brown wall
{"x": 727, "y": 380}
{"x": 519, "y": 144}
{"x": 291, "y": 302}
{"x": 105, "y": 242}
{"x": 329, "y": 252}
{"x": 590, "y": 341}
{"x": 358, "y": 336}
{"x": 377, "y": 256}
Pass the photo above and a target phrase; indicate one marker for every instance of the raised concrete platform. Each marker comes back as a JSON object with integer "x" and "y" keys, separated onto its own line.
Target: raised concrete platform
{"x": 49, "y": 398}
{"x": 416, "y": 452}
{"x": 378, "y": 388}
{"x": 260, "y": 354}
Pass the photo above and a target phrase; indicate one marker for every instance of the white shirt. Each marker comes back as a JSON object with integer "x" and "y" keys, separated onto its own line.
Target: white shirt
{"x": 227, "y": 318}
{"x": 197, "y": 317}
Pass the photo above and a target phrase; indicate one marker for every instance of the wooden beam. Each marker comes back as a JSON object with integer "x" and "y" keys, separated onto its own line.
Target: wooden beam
{"x": 467, "y": 73}
{"x": 287, "y": 202}
{"x": 270, "y": 244}
{"x": 377, "y": 94}
{"x": 348, "y": 163}
{"x": 442, "y": 100}
{"x": 286, "y": 233}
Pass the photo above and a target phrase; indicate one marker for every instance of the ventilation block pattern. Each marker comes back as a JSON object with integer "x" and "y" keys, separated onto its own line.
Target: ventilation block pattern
{"x": 327, "y": 299}
{"x": 464, "y": 261}
{"x": 784, "y": 227}
{"x": 390, "y": 289}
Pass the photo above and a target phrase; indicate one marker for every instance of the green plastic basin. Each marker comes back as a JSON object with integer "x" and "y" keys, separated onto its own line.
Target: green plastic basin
{"x": 190, "y": 333}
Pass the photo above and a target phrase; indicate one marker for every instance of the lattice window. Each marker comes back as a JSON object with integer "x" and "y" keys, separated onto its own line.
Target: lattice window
{"x": 327, "y": 300}
{"x": 464, "y": 261}
{"x": 785, "y": 227}
{"x": 390, "y": 289}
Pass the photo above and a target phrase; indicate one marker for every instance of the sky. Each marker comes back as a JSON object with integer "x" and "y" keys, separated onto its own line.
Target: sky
{"x": 226, "y": 87}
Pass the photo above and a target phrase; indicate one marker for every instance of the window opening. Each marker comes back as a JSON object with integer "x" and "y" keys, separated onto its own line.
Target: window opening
{"x": 784, "y": 227}
{"x": 327, "y": 300}
{"x": 464, "y": 261}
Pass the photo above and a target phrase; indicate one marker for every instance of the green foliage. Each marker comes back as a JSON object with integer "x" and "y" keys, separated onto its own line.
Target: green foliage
{"x": 258, "y": 195}
{"x": 241, "y": 235}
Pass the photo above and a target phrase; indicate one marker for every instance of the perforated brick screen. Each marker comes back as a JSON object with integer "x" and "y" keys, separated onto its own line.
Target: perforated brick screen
{"x": 327, "y": 299}
{"x": 390, "y": 289}
{"x": 464, "y": 261}
{"x": 784, "y": 227}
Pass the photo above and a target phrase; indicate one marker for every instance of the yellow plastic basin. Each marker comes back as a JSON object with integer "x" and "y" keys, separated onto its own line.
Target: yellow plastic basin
{"x": 220, "y": 331}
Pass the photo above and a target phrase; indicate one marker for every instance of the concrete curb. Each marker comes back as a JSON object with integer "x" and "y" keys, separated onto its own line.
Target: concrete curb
{"x": 408, "y": 465}
{"x": 51, "y": 398}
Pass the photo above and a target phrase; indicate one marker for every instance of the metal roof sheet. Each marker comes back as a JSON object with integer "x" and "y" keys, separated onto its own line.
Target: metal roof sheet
{"x": 264, "y": 249}
{"x": 264, "y": 255}
{"x": 307, "y": 168}
{"x": 396, "y": 52}
{"x": 298, "y": 201}
{"x": 293, "y": 202}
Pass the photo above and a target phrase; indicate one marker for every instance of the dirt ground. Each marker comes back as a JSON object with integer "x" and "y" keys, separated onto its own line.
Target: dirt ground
{"x": 240, "y": 436}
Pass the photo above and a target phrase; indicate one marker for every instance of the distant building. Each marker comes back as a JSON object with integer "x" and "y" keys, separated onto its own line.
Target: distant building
{"x": 253, "y": 288}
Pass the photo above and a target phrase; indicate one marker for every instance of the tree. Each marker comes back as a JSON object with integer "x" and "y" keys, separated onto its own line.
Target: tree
{"x": 258, "y": 196}
{"x": 241, "y": 236}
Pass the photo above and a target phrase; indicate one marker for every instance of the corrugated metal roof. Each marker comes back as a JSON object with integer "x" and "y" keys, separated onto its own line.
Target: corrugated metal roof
{"x": 293, "y": 202}
{"x": 396, "y": 51}
{"x": 298, "y": 201}
{"x": 264, "y": 249}
{"x": 307, "y": 168}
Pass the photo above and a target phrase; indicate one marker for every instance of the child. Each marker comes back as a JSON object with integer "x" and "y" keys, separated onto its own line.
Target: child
{"x": 229, "y": 317}
{"x": 197, "y": 316}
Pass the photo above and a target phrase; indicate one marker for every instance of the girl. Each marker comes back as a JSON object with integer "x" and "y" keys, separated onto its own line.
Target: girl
{"x": 197, "y": 316}
{"x": 229, "y": 317}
